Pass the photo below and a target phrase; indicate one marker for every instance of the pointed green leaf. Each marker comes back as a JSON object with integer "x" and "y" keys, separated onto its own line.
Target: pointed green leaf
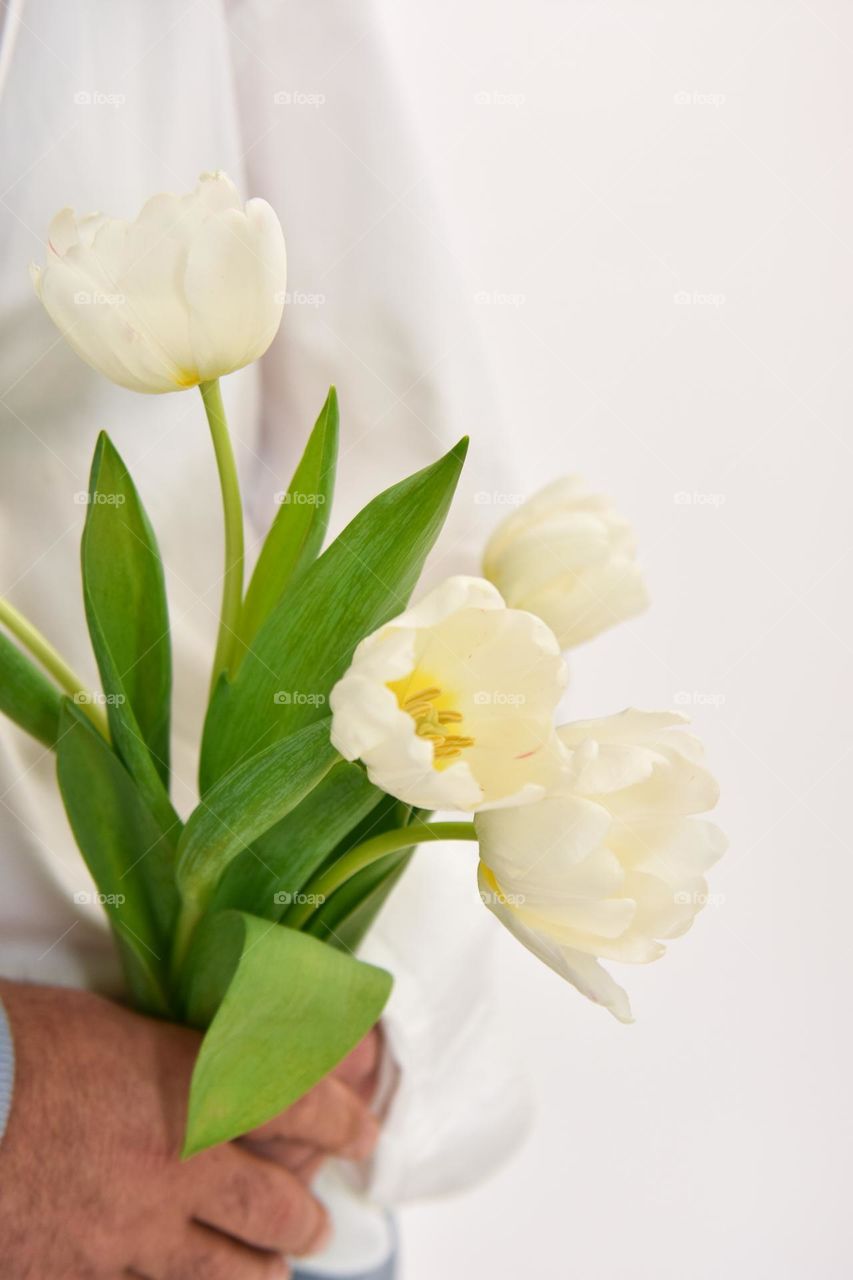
{"x": 26, "y": 695}
{"x": 364, "y": 578}
{"x": 292, "y": 1009}
{"x": 264, "y": 878}
{"x": 128, "y": 621}
{"x": 299, "y": 527}
{"x": 247, "y": 802}
{"x": 127, "y": 852}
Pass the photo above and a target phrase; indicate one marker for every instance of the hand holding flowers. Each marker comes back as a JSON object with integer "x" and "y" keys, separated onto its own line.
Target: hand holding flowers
{"x": 242, "y": 919}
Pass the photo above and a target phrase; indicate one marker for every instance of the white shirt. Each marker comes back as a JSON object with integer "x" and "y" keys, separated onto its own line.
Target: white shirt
{"x": 103, "y": 105}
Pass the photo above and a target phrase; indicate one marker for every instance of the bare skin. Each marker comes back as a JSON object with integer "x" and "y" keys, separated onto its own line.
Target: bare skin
{"x": 92, "y": 1184}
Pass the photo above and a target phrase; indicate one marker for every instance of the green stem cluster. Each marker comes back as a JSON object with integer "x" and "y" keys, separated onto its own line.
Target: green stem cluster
{"x": 325, "y": 883}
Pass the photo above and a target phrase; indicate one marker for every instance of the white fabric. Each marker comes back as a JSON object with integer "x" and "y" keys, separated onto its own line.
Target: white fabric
{"x": 102, "y": 106}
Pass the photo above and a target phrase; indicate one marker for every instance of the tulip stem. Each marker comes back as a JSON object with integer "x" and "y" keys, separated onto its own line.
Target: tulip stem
{"x": 53, "y": 662}
{"x": 232, "y": 581}
{"x": 319, "y": 889}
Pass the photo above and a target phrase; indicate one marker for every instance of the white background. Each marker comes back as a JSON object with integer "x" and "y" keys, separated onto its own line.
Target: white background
{"x": 594, "y": 162}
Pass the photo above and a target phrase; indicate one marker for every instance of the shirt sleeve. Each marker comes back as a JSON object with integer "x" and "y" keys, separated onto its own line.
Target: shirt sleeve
{"x": 7, "y": 1069}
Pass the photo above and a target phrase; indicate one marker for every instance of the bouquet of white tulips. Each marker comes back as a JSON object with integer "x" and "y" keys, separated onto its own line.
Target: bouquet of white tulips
{"x": 339, "y": 716}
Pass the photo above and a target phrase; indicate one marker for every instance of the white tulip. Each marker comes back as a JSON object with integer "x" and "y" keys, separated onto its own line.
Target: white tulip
{"x": 190, "y": 290}
{"x": 612, "y": 860}
{"x": 567, "y": 556}
{"x": 451, "y": 704}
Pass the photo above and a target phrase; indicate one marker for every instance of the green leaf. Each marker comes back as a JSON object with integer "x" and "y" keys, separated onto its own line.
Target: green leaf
{"x": 26, "y": 695}
{"x": 264, "y": 878}
{"x": 299, "y": 527}
{"x": 126, "y": 850}
{"x": 364, "y": 578}
{"x": 125, "y": 600}
{"x": 291, "y": 1011}
{"x": 247, "y": 802}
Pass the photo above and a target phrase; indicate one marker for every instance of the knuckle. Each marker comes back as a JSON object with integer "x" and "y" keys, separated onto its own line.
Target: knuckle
{"x": 308, "y": 1112}
{"x": 241, "y": 1192}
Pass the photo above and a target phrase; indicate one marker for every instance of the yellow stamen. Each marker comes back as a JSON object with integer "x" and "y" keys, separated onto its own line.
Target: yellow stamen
{"x": 425, "y": 707}
{"x": 423, "y": 695}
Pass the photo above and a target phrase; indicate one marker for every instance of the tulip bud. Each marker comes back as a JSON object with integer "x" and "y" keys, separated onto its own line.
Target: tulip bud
{"x": 568, "y": 557}
{"x": 190, "y": 290}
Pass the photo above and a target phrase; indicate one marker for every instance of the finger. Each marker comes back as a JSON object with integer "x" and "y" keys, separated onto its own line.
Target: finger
{"x": 284, "y": 1151}
{"x": 207, "y": 1253}
{"x": 261, "y": 1204}
{"x": 362, "y": 1063}
{"x": 299, "y": 1157}
{"x": 331, "y": 1118}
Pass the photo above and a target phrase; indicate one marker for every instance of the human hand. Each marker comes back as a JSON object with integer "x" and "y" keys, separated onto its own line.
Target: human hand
{"x": 92, "y": 1181}
{"x": 294, "y": 1139}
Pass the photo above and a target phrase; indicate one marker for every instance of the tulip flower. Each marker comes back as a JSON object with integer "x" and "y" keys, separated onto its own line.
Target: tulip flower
{"x": 451, "y": 704}
{"x": 612, "y": 860}
{"x": 568, "y": 557}
{"x": 191, "y": 289}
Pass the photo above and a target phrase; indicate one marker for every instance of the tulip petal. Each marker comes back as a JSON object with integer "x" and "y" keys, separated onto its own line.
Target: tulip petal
{"x": 95, "y": 323}
{"x": 234, "y": 284}
{"x": 582, "y": 971}
{"x": 674, "y": 849}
